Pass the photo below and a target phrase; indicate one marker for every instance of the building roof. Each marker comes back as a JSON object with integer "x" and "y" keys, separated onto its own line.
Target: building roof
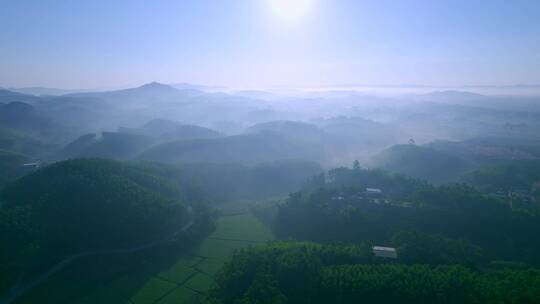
{"x": 373, "y": 190}
{"x": 385, "y": 252}
{"x": 384, "y": 248}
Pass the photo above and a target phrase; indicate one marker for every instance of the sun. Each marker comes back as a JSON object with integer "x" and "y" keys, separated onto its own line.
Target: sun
{"x": 290, "y": 10}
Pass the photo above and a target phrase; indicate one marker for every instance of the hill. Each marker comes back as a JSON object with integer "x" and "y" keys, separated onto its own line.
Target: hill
{"x": 83, "y": 205}
{"x": 114, "y": 145}
{"x": 446, "y": 224}
{"x": 350, "y": 138}
{"x": 232, "y": 182}
{"x": 517, "y": 175}
{"x": 23, "y": 116}
{"x": 7, "y": 96}
{"x": 44, "y": 91}
{"x": 489, "y": 150}
{"x": 422, "y": 162}
{"x": 11, "y": 166}
{"x": 246, "y": 149}
{"x": 20, "y": 142}
{"x": 150, "y": 93}
{"x": 164, "y": 129}
{"x": 300, "y": 272}
{"x": 293, "y": 129}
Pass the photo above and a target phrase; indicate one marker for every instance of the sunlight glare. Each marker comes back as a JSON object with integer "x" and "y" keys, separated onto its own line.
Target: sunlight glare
{"x": 290, "y": 10}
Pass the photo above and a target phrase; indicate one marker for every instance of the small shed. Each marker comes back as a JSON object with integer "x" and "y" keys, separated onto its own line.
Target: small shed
{"x": 385, "y": 252}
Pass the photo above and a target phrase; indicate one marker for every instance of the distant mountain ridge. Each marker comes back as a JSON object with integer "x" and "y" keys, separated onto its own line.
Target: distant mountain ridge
{"x": 45, "y": 91}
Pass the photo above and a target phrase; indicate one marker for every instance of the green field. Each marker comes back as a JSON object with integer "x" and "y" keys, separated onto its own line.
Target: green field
{"x": 192, "y": 276}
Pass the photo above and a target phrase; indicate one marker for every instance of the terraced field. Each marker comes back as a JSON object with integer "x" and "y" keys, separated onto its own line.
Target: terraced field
{"x": 191, "y": 277}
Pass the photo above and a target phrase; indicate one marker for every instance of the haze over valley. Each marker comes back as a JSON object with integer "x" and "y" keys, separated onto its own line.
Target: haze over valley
{"x": 269, "y": 151}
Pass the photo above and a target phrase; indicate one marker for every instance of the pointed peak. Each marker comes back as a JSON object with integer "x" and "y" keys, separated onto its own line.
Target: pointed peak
{"x": 156, "y": 85}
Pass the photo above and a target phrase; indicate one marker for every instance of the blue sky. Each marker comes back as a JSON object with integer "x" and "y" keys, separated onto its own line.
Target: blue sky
{"x": 244, "y": 44}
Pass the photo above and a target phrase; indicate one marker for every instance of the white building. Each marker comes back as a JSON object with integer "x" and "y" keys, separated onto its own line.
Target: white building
{"x": 34, "y": 165}
{"x": 385, "y": 252}
{"x": 373, "y": 191}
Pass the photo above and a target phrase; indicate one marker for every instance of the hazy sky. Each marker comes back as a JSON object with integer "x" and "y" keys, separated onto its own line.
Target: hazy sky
{"x": 250, "y": 43}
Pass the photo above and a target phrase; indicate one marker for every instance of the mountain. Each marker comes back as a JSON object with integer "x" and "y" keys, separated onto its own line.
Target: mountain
{"x": 422, "y": 162}
{"x": 22, "y": 143}
{"x": 113, "y": 145}
{"x": 23, "y": 116}
{"x": 293, "y": 130}
{"x": 44, "y": 91}
{"x": 164, "y": 129}
{"x": 11, "y": 166}
{"x": 204, "y": 88}
{"x": 354, "y": 138}
{"x": 257, "y": 94}
{"x": 246, "y": 148}
{"x": 83, "y": 205}
{"x": 108, "y": 110}
{"x": 39, "y": 122}
{"x": 153, "y": 87}
{"x": 510, "y": 176}
{"x": 490, "y": 150}
{"x": 150, "y": 93}
{"x": 452, "y": 96}
{"x": 7, "y": 96}
{"x": 232, "y": 182}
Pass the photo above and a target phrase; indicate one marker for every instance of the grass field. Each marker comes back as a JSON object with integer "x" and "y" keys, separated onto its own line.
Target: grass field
{"x": 193, "y": 275}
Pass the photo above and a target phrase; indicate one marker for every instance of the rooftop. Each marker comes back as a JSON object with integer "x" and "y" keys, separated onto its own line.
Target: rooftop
{"x": 385, "y": 252}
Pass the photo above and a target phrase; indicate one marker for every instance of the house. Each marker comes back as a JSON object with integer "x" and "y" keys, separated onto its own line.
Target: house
{"x": 385, "y": 252}
{"x": 373, "y": 191}
{"x": 34, "y": 165}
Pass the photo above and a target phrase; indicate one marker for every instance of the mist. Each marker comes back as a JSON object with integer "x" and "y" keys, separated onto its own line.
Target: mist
{"x": 269, "y": 152}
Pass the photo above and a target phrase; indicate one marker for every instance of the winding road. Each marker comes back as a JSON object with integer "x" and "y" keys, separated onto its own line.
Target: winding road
{"x": 19, "y": 290}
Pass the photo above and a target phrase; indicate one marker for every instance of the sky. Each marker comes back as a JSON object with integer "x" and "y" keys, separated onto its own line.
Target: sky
{"x": 260, "y": 44}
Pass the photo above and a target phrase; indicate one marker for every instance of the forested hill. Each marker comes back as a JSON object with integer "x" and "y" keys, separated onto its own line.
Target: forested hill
{"x": 11, "y": 166}
{"x": 439, "y": 225}
{"x": 83, "y": 205}
{"x": 312, "y": 273}
{"x": 422, "y": 162}
{"x": 451, "y": 243}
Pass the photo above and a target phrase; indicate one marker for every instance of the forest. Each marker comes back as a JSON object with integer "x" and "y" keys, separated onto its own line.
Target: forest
{"x": 449, "y": 223}
{"x": 269, "y": 152}
{"x": 302, "y": 272}
{"x": 90, "y": 205}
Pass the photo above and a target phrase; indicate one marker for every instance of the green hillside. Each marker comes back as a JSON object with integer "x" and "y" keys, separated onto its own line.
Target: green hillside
{"x": 171, "y": 130}
{"x": 20, "y": 142}
{"x": 83, "y": 205}
{"x": 522, "y": 175}
{"x": 295, "y": 272}
{"x": 114, "y": 145}
{"x": 11, "y": 166}
{"x": 246, "y": 148}
{"x": 422, "y": 162}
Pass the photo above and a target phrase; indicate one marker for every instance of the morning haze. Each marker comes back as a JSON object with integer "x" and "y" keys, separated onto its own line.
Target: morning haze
{"x": 269, "y": 151}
